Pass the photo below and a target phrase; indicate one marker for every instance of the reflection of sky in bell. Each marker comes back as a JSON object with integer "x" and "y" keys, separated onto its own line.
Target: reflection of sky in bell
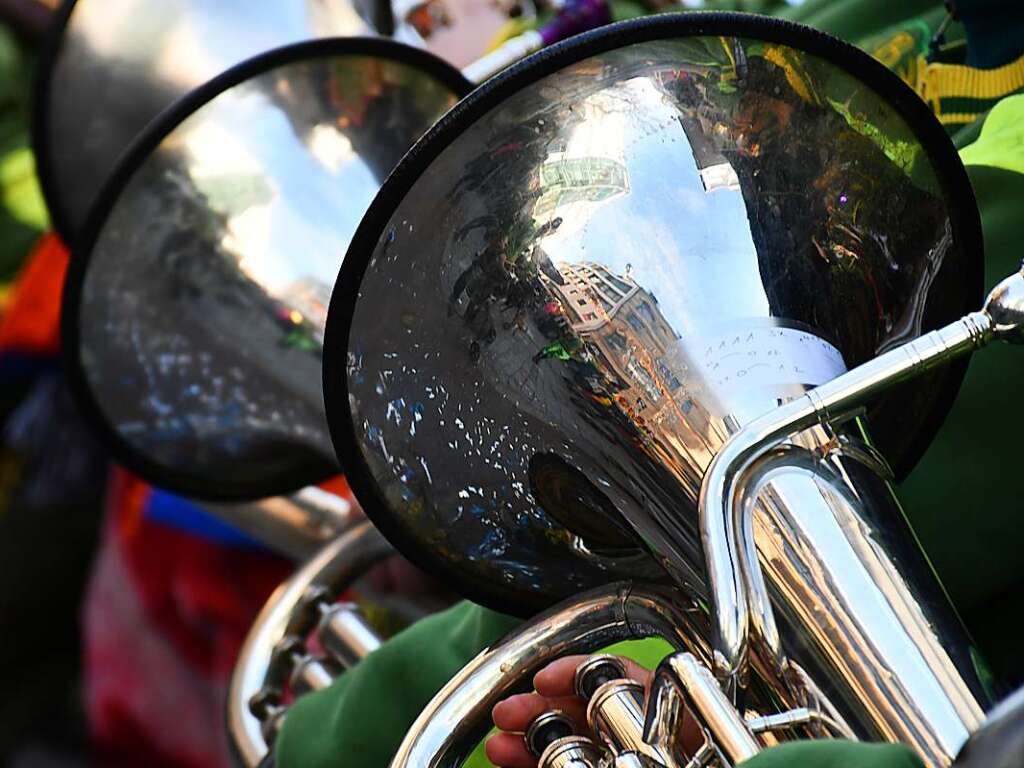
{"x": 667, "y": 225}
{"x": 187, "y": 47}
{"x": 304, "y": 228}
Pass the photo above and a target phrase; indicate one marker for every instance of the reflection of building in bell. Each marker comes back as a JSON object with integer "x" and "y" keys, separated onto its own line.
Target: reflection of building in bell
{"x": 568, "y": 180}
{"x": 719, "y": 176}
{"x": 624, "y": 327}
{"x": 584, "y": 168}
{"x": 643, "y": 364}
{"x": 715, "y": 171}
{"x": 698, "y": 123}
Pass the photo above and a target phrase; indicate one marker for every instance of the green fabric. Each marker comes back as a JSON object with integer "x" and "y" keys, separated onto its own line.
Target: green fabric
{"x": 362, "y": 718}
{"x": 22, "y": 211}
{"x": 854, "y": 20}
{"x": 835, "y": 754}
{"x": 647, "y": 653}
{"x": 1000, "y": 143}
{"x": 961, "y": 498}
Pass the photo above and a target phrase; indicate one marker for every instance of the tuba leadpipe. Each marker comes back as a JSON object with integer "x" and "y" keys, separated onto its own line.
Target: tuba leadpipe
{"x": 738, "y": 589}
{"x": 297, "y": 526}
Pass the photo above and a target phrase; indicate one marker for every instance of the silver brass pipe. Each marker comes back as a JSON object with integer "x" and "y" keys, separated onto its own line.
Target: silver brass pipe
{"x": 346, "y": 634}
{"x": 571, "y": 752}
{"x": 737, "y": 591}
{"x": 506, "y": 54}
{"x": 452, "y": 724}
{"x": 633, "y": 760}
{"x": 810, "y": 518}
{"x": 573, "y": 17}
{"x": 310, "y": 674}
{"x": 341, "y": 561}
{"x": 616, "y": 714}
{"x": 296, "y": 526}
{"x": 683, "y": 683}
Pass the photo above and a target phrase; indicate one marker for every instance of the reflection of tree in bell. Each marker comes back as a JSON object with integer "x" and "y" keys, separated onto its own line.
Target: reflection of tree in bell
{"x": 824, "y": 190}
{"x": 505, "y": 270}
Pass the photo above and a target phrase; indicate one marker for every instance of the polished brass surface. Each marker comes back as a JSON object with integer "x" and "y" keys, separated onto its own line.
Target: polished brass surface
{"x": 613, "y": 269}
{"x": 581, "y": 285}
{"x": 296, "y": 526}
{"x": 116, "y": 64}
{"x": 546, "y": 728}
{"x": 346, "y": 634}
{"x": 453, "y": 723}
{"x": 684, "y": 687}
{"x": 196, "y": 312}
{"x": 571, "y": 752}
{"x": 616, "y": 713}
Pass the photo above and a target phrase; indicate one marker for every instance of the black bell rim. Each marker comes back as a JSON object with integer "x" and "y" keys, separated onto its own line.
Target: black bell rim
{"x": 144, "y": 145}
{"x": 951, "y": 175}
{"x": 39, "y": 121}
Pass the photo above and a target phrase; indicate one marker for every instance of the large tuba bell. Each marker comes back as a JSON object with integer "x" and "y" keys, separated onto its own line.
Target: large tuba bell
{"x": 637, "y": 317}
{"x": 111, "y": 66}
{"x": 194, "y": 313}
{"x": 195, "y": 307}
{"x": 196, "y": 300}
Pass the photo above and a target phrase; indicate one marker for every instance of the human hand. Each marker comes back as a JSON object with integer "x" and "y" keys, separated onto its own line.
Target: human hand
{"x": 553, "y": 689}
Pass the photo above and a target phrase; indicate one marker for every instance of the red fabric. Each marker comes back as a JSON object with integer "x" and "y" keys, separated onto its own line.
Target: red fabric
{"x": 31, "y": 323}
{"x": 167, "y": 611}
{"x": 165, "y": 618}
{"x": 339, "y": 486}
{"x": 202, "y": 595}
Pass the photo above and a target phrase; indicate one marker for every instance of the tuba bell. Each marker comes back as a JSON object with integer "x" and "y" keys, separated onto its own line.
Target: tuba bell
{"x": 196, "y": 299}
{"x": 648, "y": 325}
{"x": 194, "y": 311}
{"x": 195, "y": 307}
{"x": 110, "y": 66}
{"x": 195, "y": 304}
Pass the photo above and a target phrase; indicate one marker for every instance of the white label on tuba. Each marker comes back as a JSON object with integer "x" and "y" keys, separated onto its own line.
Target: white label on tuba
{"x": 763, "y": 357}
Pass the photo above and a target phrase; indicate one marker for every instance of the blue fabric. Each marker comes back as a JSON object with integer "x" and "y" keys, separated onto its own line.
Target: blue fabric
{"x": 176, "y": 512}
{"x": 18, "y": 367}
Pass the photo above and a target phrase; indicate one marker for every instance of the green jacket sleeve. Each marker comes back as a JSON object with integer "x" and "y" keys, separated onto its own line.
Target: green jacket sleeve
{"x": 360, "y": 720}
{"x": 835, "y": 754}
{"x": 960, "y": 495}
{"x": 23, "y": 215}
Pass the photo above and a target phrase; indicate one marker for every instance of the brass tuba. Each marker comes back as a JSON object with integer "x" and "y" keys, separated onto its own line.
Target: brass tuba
{"x": 196, "y": 299}
{"x": 632, "y": 327}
